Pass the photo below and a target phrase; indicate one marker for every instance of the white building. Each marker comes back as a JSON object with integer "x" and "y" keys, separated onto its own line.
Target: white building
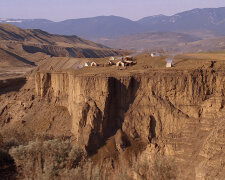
{"x": 154, "y": 54}
{"x": 112, "y": 58}
{"x": 94, "y": 64}
{"x": 120, "y": 63}
{"x": 86, "y": 64}
{"x": 169, "y": 63}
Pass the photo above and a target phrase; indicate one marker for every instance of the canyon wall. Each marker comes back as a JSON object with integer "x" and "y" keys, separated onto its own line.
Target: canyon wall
{"x": 177, "y": 113}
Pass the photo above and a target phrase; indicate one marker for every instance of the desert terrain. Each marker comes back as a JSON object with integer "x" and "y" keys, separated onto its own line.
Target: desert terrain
{"x": 23, "y": 50}
{"x": 74, "y": 109}
{"x": 143, "y": 121}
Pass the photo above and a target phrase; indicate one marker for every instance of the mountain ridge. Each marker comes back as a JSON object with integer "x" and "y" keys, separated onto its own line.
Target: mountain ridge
{"x": 29, "y": 46}
{"x": 197, "y": 19}
{"x": 212, "y": 19}
{"x": 21, "y": 50}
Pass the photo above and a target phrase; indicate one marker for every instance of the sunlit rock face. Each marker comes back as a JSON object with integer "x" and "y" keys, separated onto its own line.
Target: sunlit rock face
{"x": 176, "y": 114}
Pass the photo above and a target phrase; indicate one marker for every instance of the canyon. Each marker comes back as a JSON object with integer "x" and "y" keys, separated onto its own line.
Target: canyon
{"x": 176, "y": 114}
{"x": 140, "y": 122}
{"x": 127, "y": 121}
{"x": 62, "y": 118}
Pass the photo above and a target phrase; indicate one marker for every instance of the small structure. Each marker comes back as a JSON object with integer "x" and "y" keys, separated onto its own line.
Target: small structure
{"x": 119, "y": 58}
{"x": 110, "y": 63}
{"x": 129, "y": 62}
{"x": 154, "y": 54}
{"x": 78, "y": 66}
{"x": 128, "y": 58}
{"x": 86, "y": 64}
{"x": 112, "y": 58}
{"x": 94, "y": 64}
{"x": 169, "y": 63}
{"x": 120, "y": 63}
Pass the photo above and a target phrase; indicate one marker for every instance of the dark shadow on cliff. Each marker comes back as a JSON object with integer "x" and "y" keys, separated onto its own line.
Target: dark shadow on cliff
{"x": 9, "y": 85}
{"x": 117, "y": 104}
{"x": 152, "y": 133}
{"x": 7, "y": 166}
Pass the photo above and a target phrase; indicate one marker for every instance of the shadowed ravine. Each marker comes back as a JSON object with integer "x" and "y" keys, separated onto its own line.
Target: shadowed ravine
{"x": 175, "y": 112}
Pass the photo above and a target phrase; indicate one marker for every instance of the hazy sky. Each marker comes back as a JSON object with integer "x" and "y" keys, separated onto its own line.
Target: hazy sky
{"x": 69, "y": 9}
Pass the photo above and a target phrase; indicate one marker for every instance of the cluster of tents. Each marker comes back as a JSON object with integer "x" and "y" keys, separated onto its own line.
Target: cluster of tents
{"x": 124, "y": 61}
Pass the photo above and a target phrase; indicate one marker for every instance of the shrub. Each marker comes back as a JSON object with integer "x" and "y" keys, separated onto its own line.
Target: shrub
{"x": 158, "y": 168}
{"x": 46, "y": 159}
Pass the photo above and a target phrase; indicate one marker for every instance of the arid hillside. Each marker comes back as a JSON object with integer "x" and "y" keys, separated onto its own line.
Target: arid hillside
{"x": 21, "y": 50}
{"x": 33, "y": 41}
{"x": 12, "y": 33}
{"x": 139, "y": 122}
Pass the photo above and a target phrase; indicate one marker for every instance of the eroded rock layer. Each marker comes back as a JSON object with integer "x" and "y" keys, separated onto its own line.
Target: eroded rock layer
{"x": 177, "y": 113}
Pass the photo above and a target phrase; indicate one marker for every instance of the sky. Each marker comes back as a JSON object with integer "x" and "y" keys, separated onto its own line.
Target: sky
{"x": 58, "y": 10}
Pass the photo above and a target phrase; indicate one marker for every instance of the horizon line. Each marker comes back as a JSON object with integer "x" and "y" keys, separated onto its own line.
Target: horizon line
{"x": 89, "y": 17}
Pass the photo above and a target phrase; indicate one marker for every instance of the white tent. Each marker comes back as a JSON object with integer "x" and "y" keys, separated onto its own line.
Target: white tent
{"x": 94, "y": 64}
{"x": 86, "y": 64}
{"x": 120, "y": 63}
{"x": 112, "y": 58}
{"x": 154, "y": 54}
{"x": 169, "y": 63}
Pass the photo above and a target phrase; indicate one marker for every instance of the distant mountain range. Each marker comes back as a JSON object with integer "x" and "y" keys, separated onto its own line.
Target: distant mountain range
{"x": 210, "y": 19}
{"x": 88, "y": 28}
{"x": 177, "y": 32}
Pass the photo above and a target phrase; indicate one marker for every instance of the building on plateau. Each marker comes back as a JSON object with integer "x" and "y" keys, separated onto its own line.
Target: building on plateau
{"x": 120, "y": 63}
{"x": 94, "y": 64}
{"x": 86, "y": 64}
{"x": 154, "y": 54}
{"x": 112, "y": 58}
{"x": 169, "y": 63}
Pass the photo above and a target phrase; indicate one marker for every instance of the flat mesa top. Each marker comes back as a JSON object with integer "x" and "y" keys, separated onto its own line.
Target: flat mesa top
{"x": 144, "y": 63}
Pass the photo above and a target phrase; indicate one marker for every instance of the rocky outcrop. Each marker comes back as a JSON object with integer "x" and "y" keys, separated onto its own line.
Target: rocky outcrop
{"x": 179, "y": 113}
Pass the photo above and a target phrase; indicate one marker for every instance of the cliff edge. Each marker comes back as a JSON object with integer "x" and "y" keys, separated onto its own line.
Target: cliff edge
{"x": 179, "y": 114}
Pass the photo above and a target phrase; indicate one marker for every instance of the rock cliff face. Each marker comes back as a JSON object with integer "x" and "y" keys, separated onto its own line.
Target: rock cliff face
{"x": 179, "y": 114}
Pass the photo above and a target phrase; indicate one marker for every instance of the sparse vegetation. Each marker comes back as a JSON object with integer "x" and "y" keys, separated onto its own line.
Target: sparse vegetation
{"x": 163, "y": 168}
{"x": 158, "y": 168}
{"x": 7, "y": 166}
{"x": 46, "y": 159}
